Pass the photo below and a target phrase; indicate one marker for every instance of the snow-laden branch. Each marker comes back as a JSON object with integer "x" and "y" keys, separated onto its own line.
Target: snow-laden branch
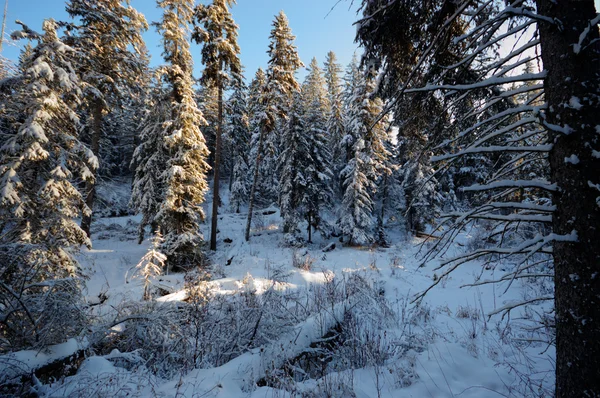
{"x": 494, "y": 148}
{"x": 511, "y": 306}
{"x": 492, "y": 81}
{"x": 577, "y": 47}
{"x": 540, "y": 184}
{"x": 507, "y": 278}
{"x": 526, "y": 12}
{"x": 510, "y": 217}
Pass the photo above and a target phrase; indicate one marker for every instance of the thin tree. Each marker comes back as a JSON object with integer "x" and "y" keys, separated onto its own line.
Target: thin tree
{"x": 216, "y": 29}
{"x": 335, "y": 114}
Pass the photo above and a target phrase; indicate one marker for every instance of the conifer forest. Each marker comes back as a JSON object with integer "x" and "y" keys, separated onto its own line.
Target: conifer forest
{"x": 421, "y": 222}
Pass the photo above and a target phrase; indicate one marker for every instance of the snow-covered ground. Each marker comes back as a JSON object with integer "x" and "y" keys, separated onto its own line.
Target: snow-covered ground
{"x": 444, "y": 346}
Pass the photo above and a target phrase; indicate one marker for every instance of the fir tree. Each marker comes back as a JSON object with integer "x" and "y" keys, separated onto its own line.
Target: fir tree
{"x": 39, "y": 163}
{"x": 217, "y": 30}
{"x": 112, "y": 60}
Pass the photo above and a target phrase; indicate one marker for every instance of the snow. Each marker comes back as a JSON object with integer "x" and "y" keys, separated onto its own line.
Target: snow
{"x": 25, "y": 362}
{"x": 577, "y": 47}
{"x": 575, "y": 103}
{"x": 573, "y": 159}
{"x": 450, "y": 354}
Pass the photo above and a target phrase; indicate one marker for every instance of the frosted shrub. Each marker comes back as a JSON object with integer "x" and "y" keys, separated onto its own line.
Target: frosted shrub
{"x": 302, "y": 261}
{"x": 33, "y": 310}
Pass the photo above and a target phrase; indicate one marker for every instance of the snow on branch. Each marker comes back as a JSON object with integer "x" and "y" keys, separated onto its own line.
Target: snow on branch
{"x": 495, "y": 148}
{"x": 540, "y": 184}
{"x": 578, "y": 47}
{"x": 511, "y": 306}
{"x": 527, "y": 12}
{"x": 492, "y": 81}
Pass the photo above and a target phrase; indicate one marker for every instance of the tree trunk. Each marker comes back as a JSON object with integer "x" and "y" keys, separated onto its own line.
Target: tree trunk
{"x": 309, "y": 228}
{"x": 254, "y": 182}
{"x": 571, "y": 89}
{"x": 216, "y": 199}
{"x": 90, "y": 187}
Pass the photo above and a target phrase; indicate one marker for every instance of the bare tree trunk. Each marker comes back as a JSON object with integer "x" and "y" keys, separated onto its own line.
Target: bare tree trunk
{"x": 254, "y": 182}
{"x": 216, "y": 198}
{"x": 90, "y": 187}
{"x": 571, "y": 88}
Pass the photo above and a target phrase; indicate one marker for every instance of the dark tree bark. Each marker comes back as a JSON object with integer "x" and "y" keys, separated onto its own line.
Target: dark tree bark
{"x": 571, "y": 89}
{"x": 90, "y": 187}
{"x": 216, "y": 198}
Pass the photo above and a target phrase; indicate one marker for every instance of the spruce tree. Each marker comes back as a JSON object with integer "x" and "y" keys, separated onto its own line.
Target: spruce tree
{"x": 256, "y": 112}
{"x": 208, "y": 103}
{"x": 184, "y": 178}
{"x": 40, "y": 162}
{"x": 150, "y": 158}
{"x": 335, "y": 114}
{"x": 112, "y": 59}
{"x": 276, "y": 98}
{"x": 368, "y": 164}
{"x": 351, "y": 82}
{"x": 293, "y": 181}
{"x": 217, "y": 31}
{"x": 238, "y": 135}
{"x": 317, "y": 168}
{"x": 304, "y": 164}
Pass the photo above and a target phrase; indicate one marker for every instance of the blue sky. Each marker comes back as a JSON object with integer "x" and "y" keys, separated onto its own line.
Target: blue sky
{"x": 316, "y": 31}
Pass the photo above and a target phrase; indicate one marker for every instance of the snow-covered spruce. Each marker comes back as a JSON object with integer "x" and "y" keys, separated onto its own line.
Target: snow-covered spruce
{"x": 39, "y": 162}
{"x": 304, "y": 168}
{"x": 369, "y": 162}
{"x": 111, "y": 58}
{"x": 183, "y": 175}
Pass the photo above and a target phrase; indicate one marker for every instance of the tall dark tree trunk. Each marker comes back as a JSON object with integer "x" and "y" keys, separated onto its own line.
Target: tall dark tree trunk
{"x": 572, "y": 88}
{"x": 216, "y": 198}
{"x": 90, "y": 187}
{"x": 254, "y": 182}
